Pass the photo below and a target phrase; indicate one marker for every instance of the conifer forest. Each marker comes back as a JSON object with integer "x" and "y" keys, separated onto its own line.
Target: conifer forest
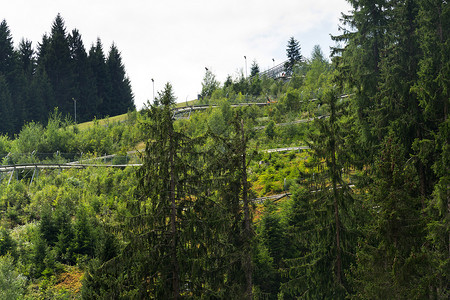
{"x": 327, "y": 180}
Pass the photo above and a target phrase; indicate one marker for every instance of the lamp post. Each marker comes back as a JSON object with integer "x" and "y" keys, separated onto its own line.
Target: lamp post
{"x": 273, "y": 59}
{"x": 245, "y": 57}
{"x": 153, "y": 82}
{"x": 75, "y": 108}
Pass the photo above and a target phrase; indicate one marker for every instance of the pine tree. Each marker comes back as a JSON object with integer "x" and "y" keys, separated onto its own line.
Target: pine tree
{"x": 432, "y": 147}
{"x": 230, "y": 177}
{"x": 47, "y": 226}
{"x": 26, "y": 70}
{"x": 7, "y": 65}
{"x": 39, "y": 252}
{"x": 254, "y": 70}
{"x": 389, "y": 259}
{"x": 83, "y": 234}
{"x": 363, "y": 34}
{"x": 42, "y": 82}
{"x": 325, "y": 239}
{"x": 121, "y": 97}
{"x": 6, "y": 108}
{"x": 385, "y": 62}
{"x": 65, "y": 243}
{"x": 97, "y": 62}
{"x": 274, "y": 239}
{"x": 7, "y": 53}
{"x": 173, "y": 231}
{"x": 85, "y": 92}
{"x": 293, "y": 55}
{"x": 58, "y": 66}
{"x": 41, "y": 97}
{"x": 11, "y": 70}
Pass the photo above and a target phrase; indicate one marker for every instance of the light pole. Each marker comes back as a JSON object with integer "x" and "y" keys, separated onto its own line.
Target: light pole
{"x": 245, "y": 57}
{"x": 75, "y": 108}
{"x": 273, "y": 59}
{"x": 153, "y": 89}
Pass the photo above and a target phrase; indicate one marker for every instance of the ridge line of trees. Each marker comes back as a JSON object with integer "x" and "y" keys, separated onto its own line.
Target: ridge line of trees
{"x": 56, "y": 74}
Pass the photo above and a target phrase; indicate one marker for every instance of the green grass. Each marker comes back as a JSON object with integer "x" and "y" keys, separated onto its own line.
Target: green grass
{"x": 189, "y": 103}
{"x": 124, "y": 117}
{"x": 119, "y": 118}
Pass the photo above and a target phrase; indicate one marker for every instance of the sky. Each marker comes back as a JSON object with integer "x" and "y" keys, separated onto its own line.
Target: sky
{"x": 174, "y": 40}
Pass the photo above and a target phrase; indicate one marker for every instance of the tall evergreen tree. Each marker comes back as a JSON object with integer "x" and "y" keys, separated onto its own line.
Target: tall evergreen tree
{"x": 254, "y": 70}
{"x": 389, "y": 259}
{"x": 58, "y": 65}
{"x": 432, "y": 148}
{"x": 7, "y": 52}
{"x": 122, "y": 96}
{"x": 326, "y": 240}
{"x": 27, "y": 58}
{"x": 7, "y": 67}
{"x": 26, "y": 71}
{"x": 41, "y": 97}
{"x": 231, "y": 184}
{"x": 97, "y": 62}
{"x": 85, "y": 92}
{"x": 42, "y": 82}
{"x": 390, "y": 60}
{"x": 175, "y": 226}
{"x": 6, "y": 108}
{"x": 293, "y": 55}
{"x": 363, "y": 34}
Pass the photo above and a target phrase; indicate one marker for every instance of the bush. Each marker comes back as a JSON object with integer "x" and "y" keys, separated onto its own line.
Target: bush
{"x": 11, "y": 282}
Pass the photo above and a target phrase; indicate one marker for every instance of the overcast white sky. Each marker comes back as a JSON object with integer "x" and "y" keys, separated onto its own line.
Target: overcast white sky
{"x": 174, "y": 40}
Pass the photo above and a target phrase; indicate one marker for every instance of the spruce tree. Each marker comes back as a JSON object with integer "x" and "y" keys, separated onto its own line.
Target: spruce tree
{"x": 121, "y": 96}
{"x": 293, "y": 55}
{"x": 41, "y": 97}
{"x": 254, "y": 70}
{"x": 7, "y": 66}
{"x": 432, "y": 147}
{"x": 85, "y": 92}
{"x": 325, "y": 237}
{"x": 358, "y": 62}
{"x": 230, "y": 180}
{"x": 391, "y": 57}
{"x": 7, "y": 52}
{"x": 174, "y": 232}
{"x": 389, "y": 259}
{"x": 58, "y": 65}
{"x": 6, "y": 108}
{"x": 42, "y": 82}
{"x": 47, "y": 226}
{"x": 97, "y": 62}
{"x": 27, "y": 69}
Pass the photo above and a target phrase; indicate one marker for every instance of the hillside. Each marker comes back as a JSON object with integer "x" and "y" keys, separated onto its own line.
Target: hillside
{"x": 334, "y": 186}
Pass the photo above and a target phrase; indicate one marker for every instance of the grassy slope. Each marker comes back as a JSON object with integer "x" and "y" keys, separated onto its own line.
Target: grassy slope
{"x": 124, "y": 117}
{"x": 119, "y": 118}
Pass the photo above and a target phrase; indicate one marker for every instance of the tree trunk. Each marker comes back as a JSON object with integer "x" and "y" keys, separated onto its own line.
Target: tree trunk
{"x": 334, "y": 179}
{"x": 247, "y": 229}
{"x": 173, "y": 220}
{"x": 336, "y": 217}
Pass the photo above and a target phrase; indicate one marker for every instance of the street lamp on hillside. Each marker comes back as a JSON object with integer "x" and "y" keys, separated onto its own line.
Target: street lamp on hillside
{"x": 153, "y": 89}
{"x": 245, "y": 57}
